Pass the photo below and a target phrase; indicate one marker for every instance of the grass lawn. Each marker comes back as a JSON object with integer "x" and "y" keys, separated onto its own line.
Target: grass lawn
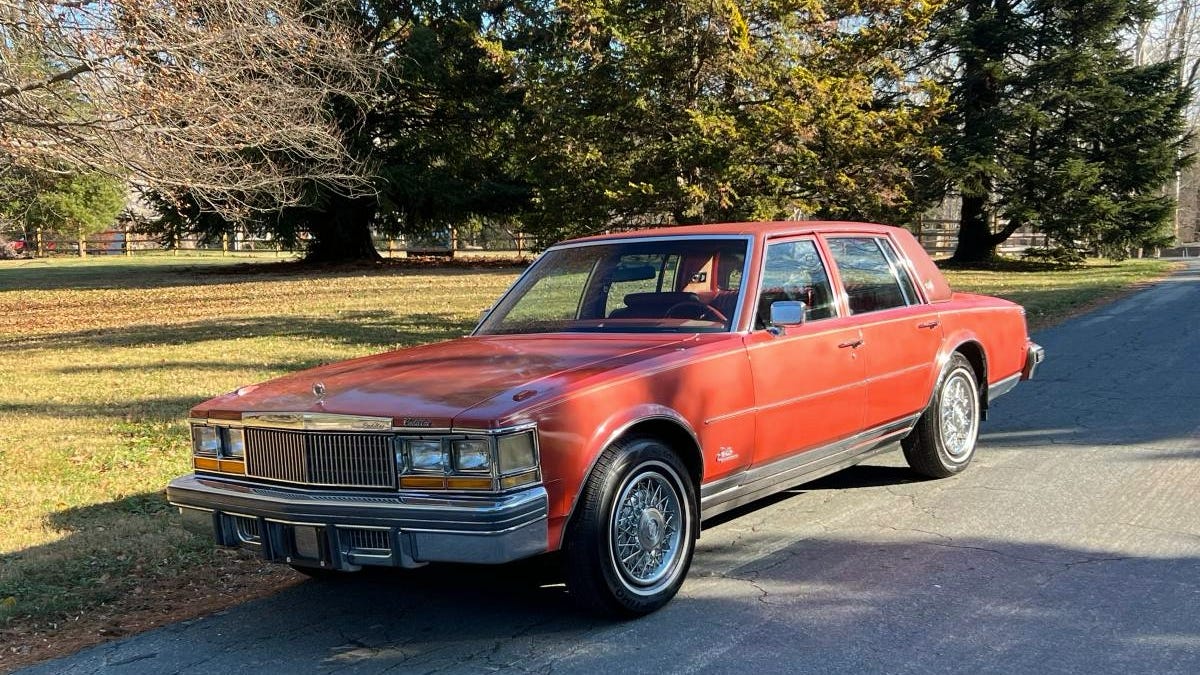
{"x": 1050, "y": 296}
{"x": 101, "y": 359}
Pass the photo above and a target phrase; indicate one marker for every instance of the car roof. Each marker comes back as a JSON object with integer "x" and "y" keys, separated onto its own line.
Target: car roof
{"x": 763, "y": 229}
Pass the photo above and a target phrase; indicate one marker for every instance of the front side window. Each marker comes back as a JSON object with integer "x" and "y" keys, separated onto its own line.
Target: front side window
{"x": 870, "y": 279}
{"x": 650, "y": 285}
{"x": 794, "y": 271}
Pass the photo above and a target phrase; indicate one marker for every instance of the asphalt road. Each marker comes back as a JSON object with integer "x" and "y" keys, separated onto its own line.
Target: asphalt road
{"x": 1071, "y": 545}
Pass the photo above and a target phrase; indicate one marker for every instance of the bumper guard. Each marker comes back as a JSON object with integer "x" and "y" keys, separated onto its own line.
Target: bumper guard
{"x": 1034, "y": 355}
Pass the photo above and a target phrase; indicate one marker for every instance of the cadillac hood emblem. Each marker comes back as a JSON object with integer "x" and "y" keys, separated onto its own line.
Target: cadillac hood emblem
{"x": 319, "y": 391}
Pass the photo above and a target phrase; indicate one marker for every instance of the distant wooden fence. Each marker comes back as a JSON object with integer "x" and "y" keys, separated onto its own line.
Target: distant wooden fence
{"x": 937, "y": 236}
{"x": 125, "y": 242}
{"x": 128, "y": 243}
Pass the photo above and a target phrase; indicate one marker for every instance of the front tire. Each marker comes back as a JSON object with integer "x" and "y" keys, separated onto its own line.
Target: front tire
{"x": 630, "y": 544}
{"x": 943, "y": 442}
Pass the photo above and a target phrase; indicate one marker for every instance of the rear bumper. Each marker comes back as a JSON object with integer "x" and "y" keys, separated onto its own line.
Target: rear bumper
{"x": 1034, "y": 355}
{"x": 346, "y": 530}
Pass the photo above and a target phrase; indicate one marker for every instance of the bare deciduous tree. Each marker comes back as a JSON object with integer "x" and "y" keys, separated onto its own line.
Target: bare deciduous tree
{"x": 1173, "y": 32}
{"x": 234, "y": 101}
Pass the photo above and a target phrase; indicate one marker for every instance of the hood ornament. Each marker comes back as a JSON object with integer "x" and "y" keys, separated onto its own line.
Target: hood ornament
{"x": 318, "y": 390}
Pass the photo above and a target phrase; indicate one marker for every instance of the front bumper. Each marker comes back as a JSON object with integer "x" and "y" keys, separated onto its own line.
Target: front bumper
{"x": 345, "y": 530}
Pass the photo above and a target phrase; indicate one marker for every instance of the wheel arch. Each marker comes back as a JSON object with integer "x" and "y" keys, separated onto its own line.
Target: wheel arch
{"x": 973, "y": 350}
{"x": 655, "y": 421}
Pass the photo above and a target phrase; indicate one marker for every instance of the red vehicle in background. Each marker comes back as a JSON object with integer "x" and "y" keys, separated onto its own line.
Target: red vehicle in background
{"x": 19, "y": 247}
{"x": 625, "y": 388}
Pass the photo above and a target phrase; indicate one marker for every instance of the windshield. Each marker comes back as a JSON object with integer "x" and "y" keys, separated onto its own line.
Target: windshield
{"x": 644, "y": 286}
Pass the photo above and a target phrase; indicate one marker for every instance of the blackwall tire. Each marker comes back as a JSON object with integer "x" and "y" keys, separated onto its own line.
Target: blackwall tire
{"x": 943, "y": 442}
{"x": 630, "y": 543}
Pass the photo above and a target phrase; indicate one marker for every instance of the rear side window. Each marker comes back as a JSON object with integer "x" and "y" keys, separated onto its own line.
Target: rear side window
{"x": 871, "y": 280}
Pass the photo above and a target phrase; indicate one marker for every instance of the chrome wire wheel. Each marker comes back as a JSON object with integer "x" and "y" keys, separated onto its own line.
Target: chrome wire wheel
{"x": 647, "y": 529}
{"x": 630, "y": 541}
{"x": 958, "y": 415}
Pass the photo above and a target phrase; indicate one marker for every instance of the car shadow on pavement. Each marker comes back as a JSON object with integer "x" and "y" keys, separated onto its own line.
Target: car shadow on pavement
{"x": 759, "y": 595}
{"x": 855, "y": 477}
{"x": 979, "y": 604}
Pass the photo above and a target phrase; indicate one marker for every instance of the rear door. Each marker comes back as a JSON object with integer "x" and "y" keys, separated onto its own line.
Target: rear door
{"x": 901, "y": 332}
{"x": 809, "y": 378}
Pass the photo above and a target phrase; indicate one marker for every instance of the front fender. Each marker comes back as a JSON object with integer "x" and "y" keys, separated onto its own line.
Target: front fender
{"x": 586, "y": 452}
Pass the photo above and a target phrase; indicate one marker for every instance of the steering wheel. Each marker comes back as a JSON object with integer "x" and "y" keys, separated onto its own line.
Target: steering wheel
{"x": 702, "y": 311}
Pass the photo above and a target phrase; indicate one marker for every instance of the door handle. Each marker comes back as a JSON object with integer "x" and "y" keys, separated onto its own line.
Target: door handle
{"x": 929, "y": 324}
{"x": 853, "y": 344}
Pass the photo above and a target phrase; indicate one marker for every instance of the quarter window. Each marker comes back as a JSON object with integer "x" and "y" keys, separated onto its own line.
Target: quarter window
{"x": 902, "y": 273}
{"x": 793, "y": 270}
{"x": 871, "y": 281}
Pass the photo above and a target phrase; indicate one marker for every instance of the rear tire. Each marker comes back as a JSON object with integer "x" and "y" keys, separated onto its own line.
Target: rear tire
{"x": 629, "y": 546}
{"x": 943, "y": 442}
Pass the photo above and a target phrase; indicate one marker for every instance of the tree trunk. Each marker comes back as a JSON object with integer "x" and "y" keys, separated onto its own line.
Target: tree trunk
{"x": 343, "y": 232}
{"x": 975, "y": 241}
{"x": 979, "y": 102}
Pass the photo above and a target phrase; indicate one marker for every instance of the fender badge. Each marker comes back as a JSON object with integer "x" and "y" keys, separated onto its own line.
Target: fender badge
{"x": 319, "y": 391}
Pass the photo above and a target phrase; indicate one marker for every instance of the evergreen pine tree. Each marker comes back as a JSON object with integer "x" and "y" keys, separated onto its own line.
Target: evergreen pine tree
{"x": 1054, "y": 126}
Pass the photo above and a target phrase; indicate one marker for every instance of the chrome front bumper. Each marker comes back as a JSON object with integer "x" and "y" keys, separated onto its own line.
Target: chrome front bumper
{"x": 345, "y": 530}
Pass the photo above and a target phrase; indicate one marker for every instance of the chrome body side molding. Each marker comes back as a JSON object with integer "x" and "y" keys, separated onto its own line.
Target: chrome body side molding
{"x": 761, "y": 481}
{"x": 1002, "y": 387}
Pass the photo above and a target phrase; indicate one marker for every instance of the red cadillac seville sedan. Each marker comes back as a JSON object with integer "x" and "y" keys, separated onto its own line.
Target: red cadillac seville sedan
{"x": 625, "y": 388}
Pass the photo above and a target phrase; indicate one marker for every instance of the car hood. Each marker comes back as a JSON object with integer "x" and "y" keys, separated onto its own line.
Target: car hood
{"x": 429, "y": 386}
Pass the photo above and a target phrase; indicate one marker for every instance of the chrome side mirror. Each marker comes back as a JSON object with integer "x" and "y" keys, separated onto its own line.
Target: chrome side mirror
{"x": 786, "y": 313}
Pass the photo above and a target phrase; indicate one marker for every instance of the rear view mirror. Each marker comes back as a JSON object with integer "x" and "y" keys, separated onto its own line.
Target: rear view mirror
{"x": 632, "y": 273}
{"x": 787, "y": 313}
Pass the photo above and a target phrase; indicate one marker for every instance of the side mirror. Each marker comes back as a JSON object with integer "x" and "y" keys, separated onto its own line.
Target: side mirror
{"x": 787, "y": 313}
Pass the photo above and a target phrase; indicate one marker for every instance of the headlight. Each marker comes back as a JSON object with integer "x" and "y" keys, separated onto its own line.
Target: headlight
{"x": 235, "y": 448}
{"x": 473, "y": 455}
{"x": 206, "y": 440}
{"x": 426, "y": 456}
{"x": 516, "y": 452}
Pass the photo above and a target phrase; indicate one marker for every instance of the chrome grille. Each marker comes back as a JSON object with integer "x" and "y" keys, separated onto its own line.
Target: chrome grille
{"x": 317, "y": 458}
{"x": 362, "y": 539}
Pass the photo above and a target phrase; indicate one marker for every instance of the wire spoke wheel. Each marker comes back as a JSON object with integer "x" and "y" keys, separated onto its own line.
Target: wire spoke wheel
{"x": 958, "y": 414}
{"x": 629, "y": 546}
{"x": 645, "y": 528}
{"x": 943, "y": 441}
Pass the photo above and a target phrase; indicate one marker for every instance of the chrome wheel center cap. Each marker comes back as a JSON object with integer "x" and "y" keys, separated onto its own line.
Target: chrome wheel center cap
{"x": 652, "y": 528}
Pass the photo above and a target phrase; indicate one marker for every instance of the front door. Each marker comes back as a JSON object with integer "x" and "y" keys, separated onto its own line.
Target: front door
{"x": 808, "y": 379}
